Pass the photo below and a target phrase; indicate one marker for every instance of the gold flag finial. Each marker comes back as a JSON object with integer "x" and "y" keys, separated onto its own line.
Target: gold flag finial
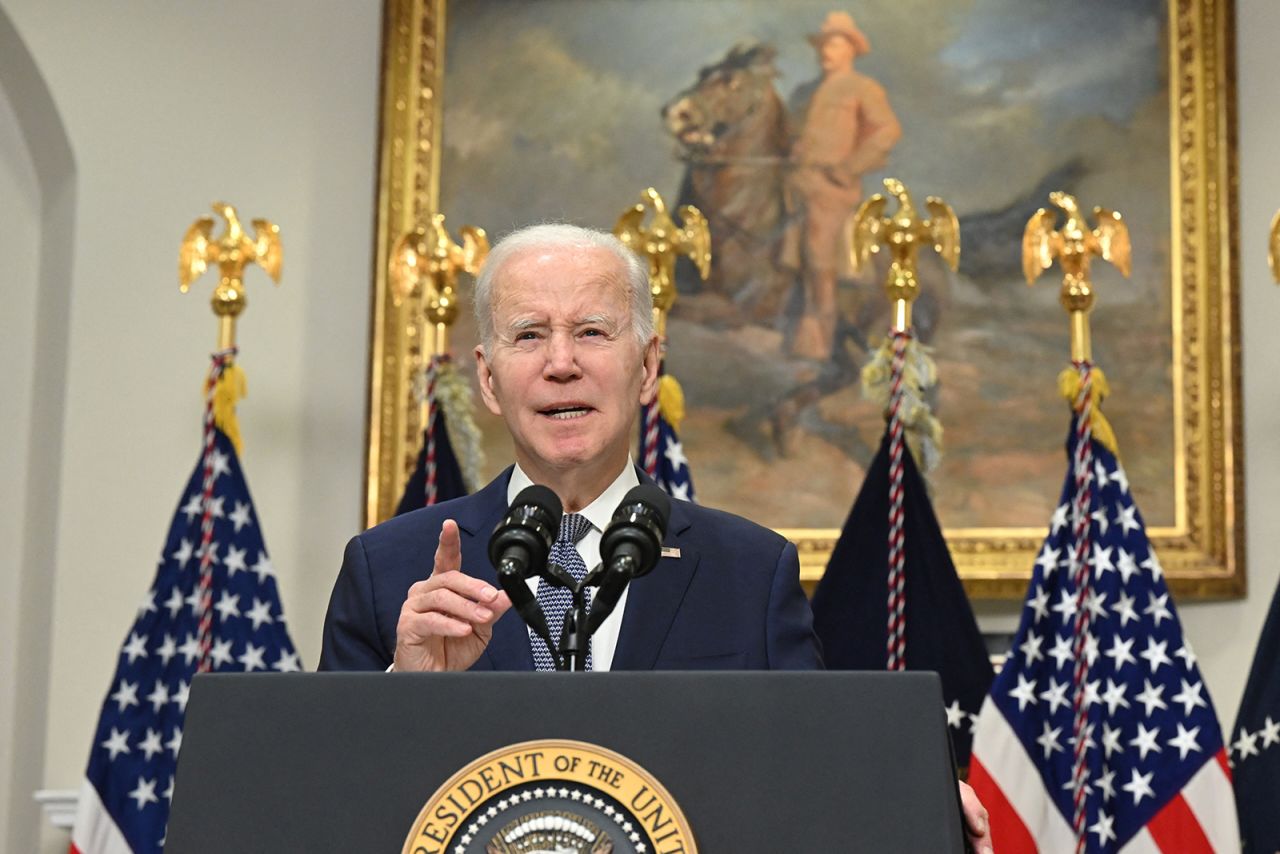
{"x": 1273, "y": 247}
{"x": 903, "y": 233}
{"x": 424, "y": 266}
{"x": 1072, "y": 245}
{"x": 232, "y": 252}
{"x": 661, "y": 243}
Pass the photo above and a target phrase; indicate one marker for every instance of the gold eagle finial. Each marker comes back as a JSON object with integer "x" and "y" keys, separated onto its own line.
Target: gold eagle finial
{"x": 903, "y": 232}
{"x": 1073, "y": 245}
{"x": 424, "y": 266}
{"x": 232, "y": 252}
{"x": 661, "y": 243}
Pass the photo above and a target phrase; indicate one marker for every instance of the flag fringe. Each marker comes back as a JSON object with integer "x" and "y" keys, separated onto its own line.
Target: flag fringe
{"x": 922, "y": 428}
{"x": 453, "y": 393}
{"x": 231, "y": 387}
{"x": 671, "y": 401}
{"x": 1069, "y": 388}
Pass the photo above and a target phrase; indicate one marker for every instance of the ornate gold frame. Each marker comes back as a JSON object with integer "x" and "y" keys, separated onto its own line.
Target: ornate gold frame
{"x": 1203, "y": 551}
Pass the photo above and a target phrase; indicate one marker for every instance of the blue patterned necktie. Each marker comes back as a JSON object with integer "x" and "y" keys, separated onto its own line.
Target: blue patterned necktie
{"x": 556, "y": 601}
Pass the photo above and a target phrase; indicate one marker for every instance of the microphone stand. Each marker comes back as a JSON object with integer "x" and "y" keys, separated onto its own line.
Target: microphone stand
{"x": 575, "y": 634}
{"x": 574, "y": 640}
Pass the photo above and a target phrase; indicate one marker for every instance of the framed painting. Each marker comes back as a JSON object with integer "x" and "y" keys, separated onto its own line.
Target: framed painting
{"x": 500, "y": 114}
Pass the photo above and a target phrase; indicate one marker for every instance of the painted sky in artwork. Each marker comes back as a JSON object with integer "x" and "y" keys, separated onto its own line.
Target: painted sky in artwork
{"x": 552, "y": 112}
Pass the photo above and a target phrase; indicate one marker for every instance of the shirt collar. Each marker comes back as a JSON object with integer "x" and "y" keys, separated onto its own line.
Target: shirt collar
{"x": 598, "y": 512}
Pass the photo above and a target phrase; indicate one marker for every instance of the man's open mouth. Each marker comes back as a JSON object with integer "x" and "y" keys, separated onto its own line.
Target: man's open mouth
{"x": 565, "y": 413}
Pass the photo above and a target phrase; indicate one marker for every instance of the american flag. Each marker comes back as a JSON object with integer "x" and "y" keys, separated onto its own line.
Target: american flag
{"x": 661, "y": 453}
{"x": 124, "y": 800}
{"x": 1154, "y": 773}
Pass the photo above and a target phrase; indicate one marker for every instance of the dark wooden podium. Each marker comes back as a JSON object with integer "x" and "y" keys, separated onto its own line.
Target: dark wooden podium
{"x": 758, "y": 762}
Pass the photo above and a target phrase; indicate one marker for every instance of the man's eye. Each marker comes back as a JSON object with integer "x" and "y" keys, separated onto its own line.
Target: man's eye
{"x": 592, "y": 333}
{"x": 526, "y": 336}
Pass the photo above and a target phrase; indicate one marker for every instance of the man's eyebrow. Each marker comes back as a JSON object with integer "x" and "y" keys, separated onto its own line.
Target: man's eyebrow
{"x": 523, "y": 323}
{"x": 597, "y": 320}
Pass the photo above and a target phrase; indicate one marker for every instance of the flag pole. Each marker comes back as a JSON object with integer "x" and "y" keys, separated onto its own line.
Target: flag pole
{"x": 1072, "y": 764}
{"x": 868, "y": 230}
{"x": 1072, "y": 246}
{"x": 423, "y": 270}
{"x": 231, "y": 252}
{"x": 661, "y": 243}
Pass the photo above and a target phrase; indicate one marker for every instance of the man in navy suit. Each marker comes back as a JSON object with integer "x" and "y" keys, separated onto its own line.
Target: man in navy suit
{"x": 568, "y": 354}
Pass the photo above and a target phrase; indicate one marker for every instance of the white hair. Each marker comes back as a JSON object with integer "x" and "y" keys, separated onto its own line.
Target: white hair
{"x": 558, "y": 235}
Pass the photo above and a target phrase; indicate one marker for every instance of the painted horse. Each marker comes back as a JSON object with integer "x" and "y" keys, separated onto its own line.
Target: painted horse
{"x": 733, "y": 135}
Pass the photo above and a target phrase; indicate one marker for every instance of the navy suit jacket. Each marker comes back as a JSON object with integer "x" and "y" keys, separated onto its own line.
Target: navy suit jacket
{"x": 730, "y": 601}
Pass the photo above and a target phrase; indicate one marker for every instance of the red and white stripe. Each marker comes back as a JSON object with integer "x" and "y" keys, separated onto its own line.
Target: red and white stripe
{"x": 1201, "y": 819}
{"x": 649, "y": 433}
{"x": 430, "y": 488}
{"x": 896, "y": 640}
{"x": 1083, "y": 471}
{"x": 204, "y": 598}
{"x": 650, "y": 439}
{"x": 95, "y": 831}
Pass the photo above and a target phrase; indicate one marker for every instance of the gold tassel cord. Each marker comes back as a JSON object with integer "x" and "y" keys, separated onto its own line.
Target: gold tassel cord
{"x": 922, "y": 428}
{"x": 230, "y": 389}
{"x": 671, "y": 401}
{"x": 1069, "y": 388}
{"x": 453, "y": 394}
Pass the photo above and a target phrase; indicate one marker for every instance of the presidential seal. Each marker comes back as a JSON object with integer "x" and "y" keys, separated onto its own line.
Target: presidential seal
{"x": 551, "y": 797}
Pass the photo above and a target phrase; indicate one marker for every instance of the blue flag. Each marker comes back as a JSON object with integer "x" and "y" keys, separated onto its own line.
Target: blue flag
{"x": 851, "y": 610}
{"x": 1255, "y": 750}
{"x": 437, "y": 452}
{"x": 124, "y": 802}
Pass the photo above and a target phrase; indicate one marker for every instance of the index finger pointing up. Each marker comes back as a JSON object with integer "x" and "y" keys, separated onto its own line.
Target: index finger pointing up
{"x": 449, "y": 550}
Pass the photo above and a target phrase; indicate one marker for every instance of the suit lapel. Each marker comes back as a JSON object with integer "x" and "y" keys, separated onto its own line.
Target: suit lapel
{"x": 509, "y": 647}
{"x": 653, "y": 600}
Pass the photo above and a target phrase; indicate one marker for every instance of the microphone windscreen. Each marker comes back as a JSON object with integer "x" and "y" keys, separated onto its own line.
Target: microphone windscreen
{"x": 541, "y": 497}
{"x": 653, "y": 497}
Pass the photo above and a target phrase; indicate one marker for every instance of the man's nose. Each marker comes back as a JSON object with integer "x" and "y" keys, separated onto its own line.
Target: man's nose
{"x": 562, "y": 358}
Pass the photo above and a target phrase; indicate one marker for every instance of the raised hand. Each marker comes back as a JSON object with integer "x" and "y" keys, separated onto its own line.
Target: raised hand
{"x": 446, "y": 620}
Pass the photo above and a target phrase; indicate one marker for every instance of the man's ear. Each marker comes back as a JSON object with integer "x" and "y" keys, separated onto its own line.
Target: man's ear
{"x": 650, "y": 365}
{"x": 485, "y": 375}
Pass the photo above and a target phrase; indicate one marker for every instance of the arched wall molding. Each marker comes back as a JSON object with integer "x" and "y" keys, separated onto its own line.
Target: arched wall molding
{"x": 26, "y": 640}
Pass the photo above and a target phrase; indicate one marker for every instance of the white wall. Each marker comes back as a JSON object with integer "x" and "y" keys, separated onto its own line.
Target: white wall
{"x": 38, "y": 180}
{"x": 19, "y": 247}
{"x": 169, "y": 106}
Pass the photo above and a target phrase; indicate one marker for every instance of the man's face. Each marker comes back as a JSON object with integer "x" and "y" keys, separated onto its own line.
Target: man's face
{"x": 565, "y": 370}
{"x": 836, "y": 53}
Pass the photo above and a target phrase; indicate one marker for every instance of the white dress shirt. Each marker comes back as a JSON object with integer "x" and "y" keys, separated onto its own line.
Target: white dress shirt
{"x": 598, "y": 513}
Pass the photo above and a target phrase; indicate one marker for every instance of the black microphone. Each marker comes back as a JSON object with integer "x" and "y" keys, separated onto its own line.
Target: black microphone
{"x": 630, "y": 547}
{"x": 519, "y": 547}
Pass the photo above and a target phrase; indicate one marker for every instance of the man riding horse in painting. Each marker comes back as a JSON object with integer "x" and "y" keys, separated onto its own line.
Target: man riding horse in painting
{"x": 777, "y": 183}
